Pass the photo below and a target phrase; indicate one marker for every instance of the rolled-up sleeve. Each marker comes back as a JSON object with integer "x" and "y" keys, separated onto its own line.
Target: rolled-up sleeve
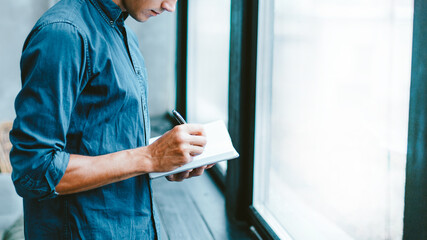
{"x": 53, "y": 72}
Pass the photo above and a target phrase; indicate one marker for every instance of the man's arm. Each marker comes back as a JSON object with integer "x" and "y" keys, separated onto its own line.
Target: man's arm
{"x": 53, "y": 75}
{"x": 174, "y": 149}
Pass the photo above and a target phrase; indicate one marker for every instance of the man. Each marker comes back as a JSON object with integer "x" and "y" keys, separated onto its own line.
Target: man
{"x": 80, "y": 136}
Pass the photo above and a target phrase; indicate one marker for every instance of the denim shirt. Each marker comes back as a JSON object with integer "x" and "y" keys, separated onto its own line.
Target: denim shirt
{"x": 84, "y": 91}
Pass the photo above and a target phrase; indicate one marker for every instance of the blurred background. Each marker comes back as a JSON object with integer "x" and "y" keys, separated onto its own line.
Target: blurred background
{"x": 157, "y": 39}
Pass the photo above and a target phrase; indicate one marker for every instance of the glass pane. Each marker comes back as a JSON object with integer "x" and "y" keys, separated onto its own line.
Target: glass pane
{"x": 208, "y": 62}
{"x": 332, "y": 116}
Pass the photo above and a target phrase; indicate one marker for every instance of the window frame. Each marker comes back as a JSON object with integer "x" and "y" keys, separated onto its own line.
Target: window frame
{"x": 415, "y": 209}
{"x": 238, "y": 182}
{"x": 242, "y": 90}
{"x": 242, "y": 93}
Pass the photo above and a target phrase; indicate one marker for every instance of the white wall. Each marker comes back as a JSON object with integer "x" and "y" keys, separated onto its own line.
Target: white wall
{"x": 157, "y": 41}
{"x": 16, "y": 20}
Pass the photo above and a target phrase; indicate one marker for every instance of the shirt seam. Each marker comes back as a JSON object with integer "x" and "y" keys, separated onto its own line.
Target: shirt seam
{"x": 104, "y": 16}
{"x": 85, "y": 42}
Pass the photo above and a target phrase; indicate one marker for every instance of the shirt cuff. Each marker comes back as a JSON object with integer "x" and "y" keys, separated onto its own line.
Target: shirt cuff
{"x": 44, "y": 188}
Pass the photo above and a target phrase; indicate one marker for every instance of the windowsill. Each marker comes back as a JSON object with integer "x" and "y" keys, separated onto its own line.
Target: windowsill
{"x": 193, "y": 209}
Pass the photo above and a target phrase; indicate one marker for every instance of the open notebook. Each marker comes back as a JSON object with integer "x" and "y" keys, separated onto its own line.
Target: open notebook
{"x": 218, "y": 148}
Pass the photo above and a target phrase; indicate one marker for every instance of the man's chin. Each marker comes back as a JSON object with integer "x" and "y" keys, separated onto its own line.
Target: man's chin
{"x": 141, "y": 18}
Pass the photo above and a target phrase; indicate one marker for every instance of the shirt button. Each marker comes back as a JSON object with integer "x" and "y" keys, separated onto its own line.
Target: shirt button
{"x": 111, "y": 22}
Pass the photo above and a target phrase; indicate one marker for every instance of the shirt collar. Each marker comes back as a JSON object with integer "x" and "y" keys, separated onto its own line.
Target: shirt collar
{"x": 111, "y": 10}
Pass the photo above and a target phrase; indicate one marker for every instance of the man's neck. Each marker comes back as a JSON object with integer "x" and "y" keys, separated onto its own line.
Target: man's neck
{"x": 120, "y": 4}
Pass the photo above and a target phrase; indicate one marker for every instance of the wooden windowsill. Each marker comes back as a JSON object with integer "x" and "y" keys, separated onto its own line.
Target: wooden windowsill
{"x": 193, "y": 209}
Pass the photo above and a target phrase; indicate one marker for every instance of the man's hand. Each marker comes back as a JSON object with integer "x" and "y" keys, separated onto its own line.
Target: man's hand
{"x": 177, "y": 147}
{"x": 178, "y": 177}
{"x": 174, "y": 149}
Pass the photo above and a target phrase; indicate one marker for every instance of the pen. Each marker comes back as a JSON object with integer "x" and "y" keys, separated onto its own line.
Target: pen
{"x": 178, "y": 117}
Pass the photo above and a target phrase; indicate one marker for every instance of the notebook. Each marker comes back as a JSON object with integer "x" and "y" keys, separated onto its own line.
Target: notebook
{"x": 218, "y": 148}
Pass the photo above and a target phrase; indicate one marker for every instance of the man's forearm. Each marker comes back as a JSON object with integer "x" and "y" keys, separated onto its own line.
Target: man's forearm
{"x": 85, "y": 173}
{"x": 174, "y": 149}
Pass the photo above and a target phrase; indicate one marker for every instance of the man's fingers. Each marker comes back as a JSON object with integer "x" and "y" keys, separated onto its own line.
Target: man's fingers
{"x": 182, "y": 175}
{"x": 178, "y": 177}
{"x": 197, "y": 140}
{"x": 210, "y": 166}
{"x": 192, "y": 129}
{"x": 197, "y": 172}
{"x": 192, "y": 137}
{"x": 195, "y": 150}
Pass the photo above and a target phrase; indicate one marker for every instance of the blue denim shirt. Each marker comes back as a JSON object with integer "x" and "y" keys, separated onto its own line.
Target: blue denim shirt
{"x": 84, "y": 91}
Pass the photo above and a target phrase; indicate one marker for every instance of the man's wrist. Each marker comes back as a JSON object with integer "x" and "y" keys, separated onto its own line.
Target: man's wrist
{"x": 141, "y": 159}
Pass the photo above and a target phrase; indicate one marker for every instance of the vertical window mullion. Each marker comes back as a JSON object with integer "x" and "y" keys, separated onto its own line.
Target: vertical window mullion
{"x": 181, "y": 64}
{"x": 415, "y": 220}
{"x": 243, "y": 47}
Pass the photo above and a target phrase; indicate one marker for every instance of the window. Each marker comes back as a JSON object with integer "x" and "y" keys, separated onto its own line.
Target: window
{"x": 208, "y": 62}
{"x": 332, "y": 114}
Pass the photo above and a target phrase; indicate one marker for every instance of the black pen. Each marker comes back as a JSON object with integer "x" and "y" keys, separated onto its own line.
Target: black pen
{"x": 178, "y": 117}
